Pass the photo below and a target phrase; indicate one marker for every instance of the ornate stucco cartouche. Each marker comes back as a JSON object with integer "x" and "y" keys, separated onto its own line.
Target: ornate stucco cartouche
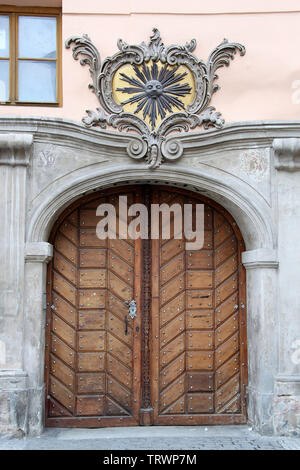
{"x": 170, "y": 90}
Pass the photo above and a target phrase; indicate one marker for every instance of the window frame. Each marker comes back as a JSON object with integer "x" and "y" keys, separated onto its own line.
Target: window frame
{"x": 14, "y": 13}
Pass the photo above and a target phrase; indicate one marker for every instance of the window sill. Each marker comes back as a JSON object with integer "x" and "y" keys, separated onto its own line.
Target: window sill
{"x": 30, "y": 103}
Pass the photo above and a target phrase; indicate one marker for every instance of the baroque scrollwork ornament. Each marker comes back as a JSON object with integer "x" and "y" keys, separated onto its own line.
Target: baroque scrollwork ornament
{"x": 153, "y": 91}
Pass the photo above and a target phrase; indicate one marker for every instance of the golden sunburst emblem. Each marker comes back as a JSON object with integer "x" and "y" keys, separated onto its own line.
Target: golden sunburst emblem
{"x": 154, "y": 90}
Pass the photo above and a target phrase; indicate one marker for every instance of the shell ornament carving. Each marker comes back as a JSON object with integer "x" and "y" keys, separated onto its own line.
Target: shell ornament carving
{"x": 153, "y": 91}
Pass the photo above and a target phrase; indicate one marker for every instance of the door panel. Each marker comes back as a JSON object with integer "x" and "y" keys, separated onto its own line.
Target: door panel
{"x": 198, "y": 323}
{"x": 91, "y": 374}
{"x": 183, "y": 359}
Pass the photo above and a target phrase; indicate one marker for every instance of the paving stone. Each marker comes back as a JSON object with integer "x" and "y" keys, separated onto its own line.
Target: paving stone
{"x": 152, "y": 438}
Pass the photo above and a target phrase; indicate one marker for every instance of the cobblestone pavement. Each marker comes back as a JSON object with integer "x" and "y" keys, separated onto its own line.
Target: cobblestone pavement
{"x": 152, "y": 438}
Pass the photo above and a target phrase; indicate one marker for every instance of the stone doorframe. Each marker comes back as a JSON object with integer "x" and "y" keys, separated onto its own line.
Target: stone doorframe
{"x": 24, "y": 386}
{"x": 261, "y": 264}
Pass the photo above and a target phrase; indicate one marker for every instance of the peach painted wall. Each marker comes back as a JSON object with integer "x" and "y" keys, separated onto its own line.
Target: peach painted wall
{"x": 258, "y": 86}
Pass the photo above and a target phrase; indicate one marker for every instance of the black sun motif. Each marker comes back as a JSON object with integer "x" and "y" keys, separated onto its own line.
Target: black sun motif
{"x": 155, "y": 91}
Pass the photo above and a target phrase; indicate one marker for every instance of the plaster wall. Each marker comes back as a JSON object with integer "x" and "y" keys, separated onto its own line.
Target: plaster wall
{"x": 262, "y": 85}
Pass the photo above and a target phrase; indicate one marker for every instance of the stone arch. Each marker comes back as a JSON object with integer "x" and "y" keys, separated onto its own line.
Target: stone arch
{"x": 250, "y": 210}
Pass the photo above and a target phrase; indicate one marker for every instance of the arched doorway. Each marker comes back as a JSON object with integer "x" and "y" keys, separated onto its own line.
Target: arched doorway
{"x": 182, "y": 359}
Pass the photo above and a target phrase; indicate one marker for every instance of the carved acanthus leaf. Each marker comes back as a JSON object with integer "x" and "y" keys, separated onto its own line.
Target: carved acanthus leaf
{"x": 220, "y": 57}
{"x": 84, "y": 47}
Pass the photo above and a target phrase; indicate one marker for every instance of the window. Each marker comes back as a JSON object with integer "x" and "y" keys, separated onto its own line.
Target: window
{"x": 30, "y": 57}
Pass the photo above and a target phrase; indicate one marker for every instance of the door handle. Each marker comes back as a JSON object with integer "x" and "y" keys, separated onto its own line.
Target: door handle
{"x": 132, "y": 313}
{"x": 131, "y": 308}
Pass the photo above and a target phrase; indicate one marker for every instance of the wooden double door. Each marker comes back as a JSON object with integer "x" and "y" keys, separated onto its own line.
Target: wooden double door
{"x": 182, "y": 359}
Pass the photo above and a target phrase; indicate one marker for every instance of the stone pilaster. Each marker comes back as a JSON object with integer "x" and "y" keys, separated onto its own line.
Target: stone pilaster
{"x": 15, "y": 152}
{"x": 261, "y": 266}
{"x": 287, "y": 384}
{"x": 37, "y": 255}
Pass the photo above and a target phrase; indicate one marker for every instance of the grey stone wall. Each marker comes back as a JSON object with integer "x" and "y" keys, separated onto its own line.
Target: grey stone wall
{"x": 45, "y": 164}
